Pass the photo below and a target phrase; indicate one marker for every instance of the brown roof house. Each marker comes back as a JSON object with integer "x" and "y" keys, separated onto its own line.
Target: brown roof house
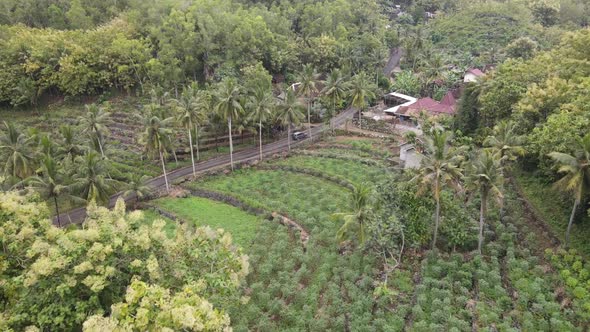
{"x": 447, "y": 106}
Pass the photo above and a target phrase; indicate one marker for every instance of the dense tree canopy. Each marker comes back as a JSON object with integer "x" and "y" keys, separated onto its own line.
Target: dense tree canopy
{"x": 55, "y": 279}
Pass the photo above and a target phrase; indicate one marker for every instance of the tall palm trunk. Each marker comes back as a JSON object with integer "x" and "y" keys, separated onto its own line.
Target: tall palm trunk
{"x": 436, "y": 223}
{"x": 482, "y": 217}
{"x": 57, "y": 210}
{"x": 260, "y": 136}
{"x": 231, "y": 145}
{"x": 570, "y": 223}
{"x": 197, "y": 141}
{"x": 100, "y": 144}
{"x": 289, "y": 136}
{"x": 164, "y": 170}
{"x": 309, "y": 117}
{"x": 360, "y": 119}
{"x": 190, "y": 140}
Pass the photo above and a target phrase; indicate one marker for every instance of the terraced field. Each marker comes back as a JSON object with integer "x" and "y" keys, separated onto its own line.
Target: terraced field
{"x": 323, "y": 286}
{"x": 287, "y": 278}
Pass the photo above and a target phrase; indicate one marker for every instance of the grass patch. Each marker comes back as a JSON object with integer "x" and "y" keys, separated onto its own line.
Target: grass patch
{"x": 555, "y": 209}
{"x": 204, "y": 212}
{"x": 307, "y": 199}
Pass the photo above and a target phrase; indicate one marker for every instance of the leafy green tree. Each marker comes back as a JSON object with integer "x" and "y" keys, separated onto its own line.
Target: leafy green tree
{"x": 559, "y": 134}
{"x": 290, "y": 112}
{"x": 523, "y": 48}
{"x": 486, "y": 177}
{"x": 157, "y": 135}
{"x": 546, "y": 11}
{"x": 261, "y": 106}
{"x": 50, "y": 184}
{"x": 229, "y": 107}
{"x": 407, "y": 83}
{"x": 137, "y": 188}
{"x": 153, "y": 308}
{"x": 439, "y": 167}
{"x": 467, "y": 118}
{"x": 61, "y": 278}
{"x": 308, "y": 80}
{"x": 361, "y": 90}
{"x": 77, "y": 16}
{"x": 355, "y": 221}
{"x": 91, "y": 181}
{"x": 336, "y": 88}
{"x": 190, "y": 115}
{"x": 95, "y": 123}
{"x": 16, "y": 150}
{"x": 576, "y": 179}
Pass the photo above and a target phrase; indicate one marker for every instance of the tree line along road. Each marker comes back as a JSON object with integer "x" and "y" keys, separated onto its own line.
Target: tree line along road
{"x": 77, "y": 216}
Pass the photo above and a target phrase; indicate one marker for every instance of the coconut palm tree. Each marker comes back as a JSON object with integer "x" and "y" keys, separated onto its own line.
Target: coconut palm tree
{"x": 137, "y": 188}
{"x": 228, "y": 107}
{"x": 203, "y": 105}
{"x": 95, "y": 122}
{"x": 16, "y": 151}
{"x": 156, "y": 136}
{"x": 50, "y": 184}
{"x": 189, "y": 114}
{"x": 507, "y": 142}
{"x": 290, "y": 113}
{"x": 336, "y": 88}
{"x": 439, "y": 167}
{"x": 361, "y": 89}
{"x": 308, "y": 80}
{"x": 261, "y": 105}
{"x": 91, "y": 180}
{"x": 485, "y": 176}
{"x": 576, "y": 179}
{"x": 68, "y": 147}
{"x": 355, "y": 221}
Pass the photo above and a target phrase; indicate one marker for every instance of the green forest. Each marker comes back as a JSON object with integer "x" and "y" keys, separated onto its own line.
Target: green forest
{"x": 310, "y": 165}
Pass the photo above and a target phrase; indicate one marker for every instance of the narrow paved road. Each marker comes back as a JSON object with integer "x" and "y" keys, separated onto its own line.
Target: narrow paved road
{"x": 78, "y": 215}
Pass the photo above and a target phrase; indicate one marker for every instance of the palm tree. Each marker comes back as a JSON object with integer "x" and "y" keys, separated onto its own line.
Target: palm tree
{"x": 506, "y": 141}
{"x": 361, "y": 89}
{"x": 91, "y": 181}
{"x": 95, "y": 123}
{"x": 290, "y": 113}
{"x": 189, "y": 115}
{"x": 156, "y": 136}
{"x": 137, "y": 188}
{"x": 355, "y": 221}
{"x": 261, "y": 105}
{"x": 486, "y": 176}
{"x": 308, "y": 80}
{"x": 576, "y": 180}
{"x": 509, "y": 146}
{"x": 336, "y": 88}
{"x": 67, "y": 145}
{"x": 15, "y": 149}
{"x": 203, "y": 104}
{"x": 229, "y": 107}
{"x": 50, "y": 183}
{"x": 438, "y": 168}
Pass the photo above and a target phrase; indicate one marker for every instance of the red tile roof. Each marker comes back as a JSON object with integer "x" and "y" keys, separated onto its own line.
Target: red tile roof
{"x": 446, "y": 106}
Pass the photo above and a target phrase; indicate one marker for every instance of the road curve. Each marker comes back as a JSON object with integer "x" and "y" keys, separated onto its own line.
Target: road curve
{"x": 77, "y": 216}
